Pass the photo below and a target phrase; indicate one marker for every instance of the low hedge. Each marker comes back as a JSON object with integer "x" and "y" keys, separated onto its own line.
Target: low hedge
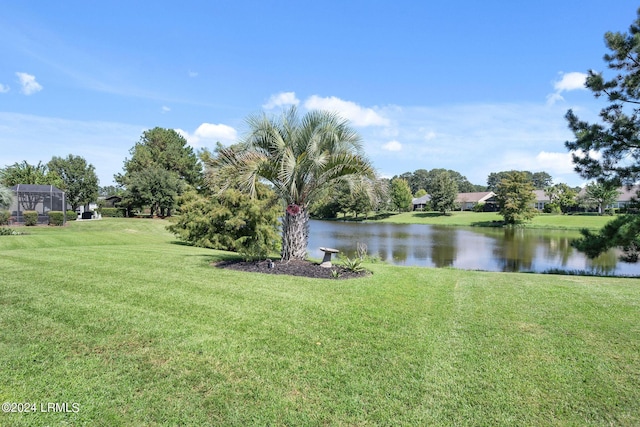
{"x": 30, "y": 218}
{"x": 72, "y": 215}
{"x": 56, "y": 218}
{"x": 4, "y": 217}
{"x": 113, "y": 212}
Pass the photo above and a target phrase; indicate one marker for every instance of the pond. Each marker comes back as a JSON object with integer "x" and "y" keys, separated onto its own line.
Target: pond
{"x": 468, "y": 248}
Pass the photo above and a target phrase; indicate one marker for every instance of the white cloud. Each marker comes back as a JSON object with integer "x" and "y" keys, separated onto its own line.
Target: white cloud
{"x": 165, "y": 109}
{"x": 392, "y": 146}
{"x": 193, "y": 74}
{"x": 4, "y": 88}
{"x": 555, "y": 163}
{"x": 359, "y": 116}
{"x": 570, "y": 81}
{"x": 281, "y": 99}
{"x": 210, "y": 133}
{"x": 28, "y": 83}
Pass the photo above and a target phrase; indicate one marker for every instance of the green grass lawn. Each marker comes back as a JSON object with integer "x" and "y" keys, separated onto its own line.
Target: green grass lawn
{"x": 483, "y": 219}
{"x": 116, "y": 317}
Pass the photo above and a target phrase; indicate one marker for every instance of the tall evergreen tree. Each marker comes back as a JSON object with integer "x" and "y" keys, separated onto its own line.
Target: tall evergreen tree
{"x": 400, "y": 194}
{"x": 609, "y": 150}
{"x": 176, "y": 166}
{"x": 515, "y": 196}
{"x": 443, "y": 192}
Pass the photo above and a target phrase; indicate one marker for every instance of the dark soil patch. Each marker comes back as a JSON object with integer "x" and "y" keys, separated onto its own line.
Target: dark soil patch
{"x": 293, "y": 268}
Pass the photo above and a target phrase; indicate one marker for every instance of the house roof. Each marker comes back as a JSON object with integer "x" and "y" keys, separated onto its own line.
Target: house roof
{"x": 541, "y": 196}
{"x": 624, "y": 195}
{"x": 421, "y": 200}
{"x": 627, "y": 195}
{"x": 478, "y": 197}
{"x": 34, "y": 188}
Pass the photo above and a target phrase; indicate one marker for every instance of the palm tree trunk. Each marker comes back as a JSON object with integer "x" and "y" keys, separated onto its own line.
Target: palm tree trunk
{"x": 295, "y": 235}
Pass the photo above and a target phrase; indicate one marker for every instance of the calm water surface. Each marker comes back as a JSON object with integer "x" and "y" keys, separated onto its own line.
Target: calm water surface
{"x": 469, "y": 248}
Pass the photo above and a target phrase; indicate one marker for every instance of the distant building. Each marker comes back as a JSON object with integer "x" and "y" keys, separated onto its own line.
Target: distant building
{"x": 467, "y": 201}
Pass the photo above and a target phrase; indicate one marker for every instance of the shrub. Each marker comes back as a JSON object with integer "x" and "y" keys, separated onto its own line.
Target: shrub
{"x": 478, "y": 207}
{"x": 4, "y": 217}
{"x": 552, "y": 208}
{"x": 113, "y": 212}
{"x": 354, "y": 265}
{"x": 56, "y": 218}
{"x": 30, "y": 218}
{"x": 72, "y": 215}
{"x": 612, "y": 211}
{"x": 230, "y": 221}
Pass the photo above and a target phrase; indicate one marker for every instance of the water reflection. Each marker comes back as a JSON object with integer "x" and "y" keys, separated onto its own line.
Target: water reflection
{"x": 472, "y": 248}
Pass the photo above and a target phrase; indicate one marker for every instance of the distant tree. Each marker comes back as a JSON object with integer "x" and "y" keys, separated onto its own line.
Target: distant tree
{"x": 154, "y": 187}
{"x": 444, "y": 192}
{"x": 6, "y": 197}
{"x": 421, "y": 192}
{"x": 79, "y": 179}
{"x": 25, "y": 173}
{"x": 515, "y": 196}
{"x": 609, "y": 150}
{"x": 462, "y": 183}
{"x": 541, "y": 180}
{"x": 166, "y": 153}
{"x": 562, "y": 195}
{"x": 600, "y": 195}
{"x": 110, "y": 190}
{"x": 423, "y": 179}
{"x": 400, "y": 194}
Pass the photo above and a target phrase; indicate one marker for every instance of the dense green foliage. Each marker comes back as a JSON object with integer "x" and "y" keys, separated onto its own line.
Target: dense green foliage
{"x": 56, "y": 218}
{"x": 230, "y": 220}
{"x": 112, "y": 212}
{"x": 6, "y": 197}
{"x": 4, "y": 217}
{"x": 444, "y": 191}
{"x": 30, "y": 218}
{"x": 78, "y": 179}
{"x": 561, "y": 197}
{"x": 154, "y": 187}
{"x": 599, "y": 195}
{"x": 539, "y": 180}
{"x": 153, "y": 327}
{"x": 301, "y": 157}
{"x": 515, "y": 197}
{"x": 425, "y": 180}
{"x": 72, "y": 215}
{"x": 350, "y": 198}
{"x": 162, "y": 166}
{"x": 400, "y": 195}
{"x": 25, "y": 173}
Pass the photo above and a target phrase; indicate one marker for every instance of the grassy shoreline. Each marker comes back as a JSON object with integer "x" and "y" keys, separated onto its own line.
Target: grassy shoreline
{"x": 487, "y": 219}
{"x": 138, "y": 330}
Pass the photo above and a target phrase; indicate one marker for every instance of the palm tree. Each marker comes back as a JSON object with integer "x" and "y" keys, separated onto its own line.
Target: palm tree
{"x": 300, "y": 157}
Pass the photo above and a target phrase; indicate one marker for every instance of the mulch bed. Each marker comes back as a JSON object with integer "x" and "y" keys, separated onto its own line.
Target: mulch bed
{"x": 292, "y": 268}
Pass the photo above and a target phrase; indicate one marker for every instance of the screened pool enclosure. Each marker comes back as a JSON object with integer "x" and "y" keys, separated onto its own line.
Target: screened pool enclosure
{"x": 39, "y": 198}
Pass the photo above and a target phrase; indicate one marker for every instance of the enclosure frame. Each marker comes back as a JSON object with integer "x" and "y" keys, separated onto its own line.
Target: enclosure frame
{"x": 39, "y": 198}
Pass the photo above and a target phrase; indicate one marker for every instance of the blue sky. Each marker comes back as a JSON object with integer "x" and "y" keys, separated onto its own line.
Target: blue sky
{"x": 473, "y": 86}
